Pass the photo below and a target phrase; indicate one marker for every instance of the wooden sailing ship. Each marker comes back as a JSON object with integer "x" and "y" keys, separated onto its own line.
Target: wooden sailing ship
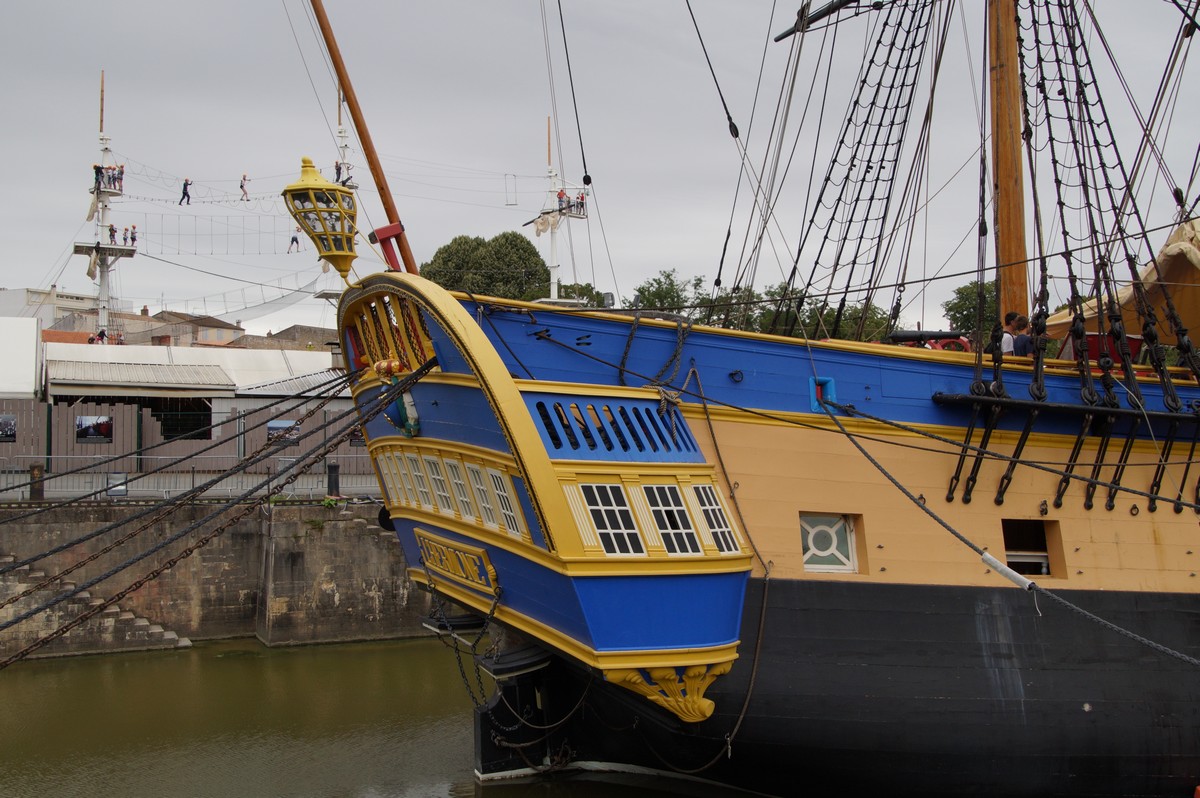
{"x": 771, "y": 561}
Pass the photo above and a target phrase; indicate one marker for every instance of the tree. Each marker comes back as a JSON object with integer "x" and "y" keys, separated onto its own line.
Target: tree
{"x": 818, "y": 322}
{"x": 507, "y": 266}
{"x": 591, "y": 297}
{"x": 671, "y": 293}
{"x": 962, "y": 309}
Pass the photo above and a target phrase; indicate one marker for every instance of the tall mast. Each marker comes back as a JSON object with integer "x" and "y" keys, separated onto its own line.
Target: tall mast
{"x": 394, "y": 231}
{"x": 103, "y": 253}
{"x": 555, "y": 186}
{"x": 1008, "y": 184}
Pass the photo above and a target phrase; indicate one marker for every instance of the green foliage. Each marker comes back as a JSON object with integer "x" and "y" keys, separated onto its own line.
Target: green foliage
{"x": 585, "y": 291}
{"x": 962, "y": 309}
{"x": 772, "y": 311}
{"x": 671, "y": 293}
{"x": 506, "y": 266}
{"x": 860, "y": 322}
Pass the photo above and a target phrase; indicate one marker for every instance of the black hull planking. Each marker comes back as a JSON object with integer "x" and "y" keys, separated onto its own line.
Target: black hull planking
{"x": 900, "y": 689}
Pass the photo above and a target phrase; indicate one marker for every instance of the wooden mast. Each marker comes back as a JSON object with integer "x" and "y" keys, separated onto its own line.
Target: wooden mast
{"x": 394, "y": 231}
{"x": 1008, "y": 185}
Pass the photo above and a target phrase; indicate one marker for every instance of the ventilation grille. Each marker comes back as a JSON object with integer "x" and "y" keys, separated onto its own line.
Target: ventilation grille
{"x": 625, "y": 428}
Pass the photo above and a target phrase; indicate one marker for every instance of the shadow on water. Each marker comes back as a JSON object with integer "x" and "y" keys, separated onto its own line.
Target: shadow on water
{"x": 367, "y": 720}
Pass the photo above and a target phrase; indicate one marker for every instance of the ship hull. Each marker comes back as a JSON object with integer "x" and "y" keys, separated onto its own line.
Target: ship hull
{"x": 907, "y": 689}
{"x": 800, "y": 548}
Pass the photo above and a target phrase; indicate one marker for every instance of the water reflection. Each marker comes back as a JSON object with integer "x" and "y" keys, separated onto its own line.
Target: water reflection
{"x": 369, "y": 720}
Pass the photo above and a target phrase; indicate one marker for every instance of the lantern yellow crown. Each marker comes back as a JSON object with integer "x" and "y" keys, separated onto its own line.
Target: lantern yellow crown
{"x": 326, "y": 212}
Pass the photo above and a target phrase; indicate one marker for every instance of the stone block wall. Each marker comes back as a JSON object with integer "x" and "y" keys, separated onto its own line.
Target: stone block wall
{"x": 289, "y": 574}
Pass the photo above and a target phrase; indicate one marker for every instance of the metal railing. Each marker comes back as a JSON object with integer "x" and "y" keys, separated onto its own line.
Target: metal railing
{"x": 73, "y": 477}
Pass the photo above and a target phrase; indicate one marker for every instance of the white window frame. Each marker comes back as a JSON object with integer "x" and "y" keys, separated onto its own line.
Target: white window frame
{"x": 671, "y": 518}
{"x": 809, "y": 527}
{"x": 614, "y": 521}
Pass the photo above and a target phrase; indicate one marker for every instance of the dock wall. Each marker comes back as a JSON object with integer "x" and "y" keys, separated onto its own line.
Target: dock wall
{"x": 287, "y": 574}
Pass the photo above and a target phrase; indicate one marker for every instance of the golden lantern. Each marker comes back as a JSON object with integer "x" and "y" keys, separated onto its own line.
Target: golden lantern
{"x": 326, "y": 212}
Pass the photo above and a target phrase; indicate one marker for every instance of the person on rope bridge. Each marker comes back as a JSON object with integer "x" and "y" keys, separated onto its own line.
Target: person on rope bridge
{"x": 242, "y": 186}
{"x": 295, "y": 241}
{"x": 187, "y": 181}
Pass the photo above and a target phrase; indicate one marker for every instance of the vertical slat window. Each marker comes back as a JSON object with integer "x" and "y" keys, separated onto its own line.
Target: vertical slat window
{"x": 461, "y": 492}
{"x": 486, "y": 508}
{"x": 500, "y": 485}
{"x": 441, "y": 490}
{"x": 422, "y": 484}
{"x": 714, "y": 516}
{"x": 409, "y": 487}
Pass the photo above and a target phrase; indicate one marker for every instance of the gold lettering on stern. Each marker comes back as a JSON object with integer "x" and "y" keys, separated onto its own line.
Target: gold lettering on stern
{"x": 466, "y": 565}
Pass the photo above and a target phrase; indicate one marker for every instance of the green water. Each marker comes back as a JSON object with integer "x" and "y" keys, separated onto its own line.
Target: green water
{"x": 368, "y": 720}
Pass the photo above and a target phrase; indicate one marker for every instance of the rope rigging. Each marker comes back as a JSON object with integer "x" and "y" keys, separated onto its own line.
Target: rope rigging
{"x": 852, "y": 204}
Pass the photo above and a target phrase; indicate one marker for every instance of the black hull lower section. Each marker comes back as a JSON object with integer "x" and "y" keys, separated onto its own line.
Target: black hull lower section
{"x": 897, "y": 689}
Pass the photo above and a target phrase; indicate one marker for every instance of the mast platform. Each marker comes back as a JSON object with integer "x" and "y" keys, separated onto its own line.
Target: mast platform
{"x": 104, "y": 250}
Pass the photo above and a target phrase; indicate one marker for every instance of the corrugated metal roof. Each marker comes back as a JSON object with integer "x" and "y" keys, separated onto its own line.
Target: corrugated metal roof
{"x": 302, "y": 385}
{"x": 68, "y": 376}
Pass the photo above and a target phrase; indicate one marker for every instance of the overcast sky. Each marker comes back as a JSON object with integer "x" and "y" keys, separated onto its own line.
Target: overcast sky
{"x": 456, "y": 94}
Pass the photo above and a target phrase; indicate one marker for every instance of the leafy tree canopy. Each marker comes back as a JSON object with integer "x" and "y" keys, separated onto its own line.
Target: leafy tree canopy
{"x": 669, "y": 292}
{"x": 591, "y": 297}
{"x": 773, "y": 310}
{"x": 962, "y": 309}
{"x": 506, "y": 266}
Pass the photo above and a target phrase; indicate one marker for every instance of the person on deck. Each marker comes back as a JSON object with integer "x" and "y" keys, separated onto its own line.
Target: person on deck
{"x": 1023, "y": 343}
{"x": 133, "y": 237}
{"x": 112, "y": 234}
{"x": 187, "y": 181}
{"x": 562, "y": 198}
{"x": 125, "y": 237}
{"x": 1008, "y": 339}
